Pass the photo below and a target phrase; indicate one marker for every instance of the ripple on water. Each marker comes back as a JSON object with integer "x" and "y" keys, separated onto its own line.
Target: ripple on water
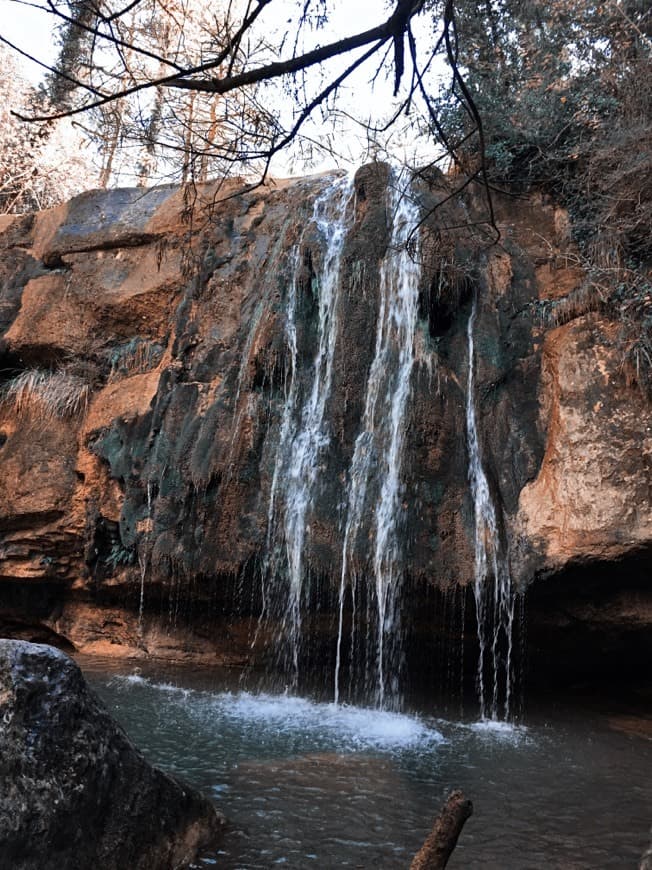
{"x": 357, "y": 787}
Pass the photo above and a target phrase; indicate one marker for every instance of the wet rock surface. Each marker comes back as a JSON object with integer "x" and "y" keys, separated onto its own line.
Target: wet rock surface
{"x": 75, "y": 793}
{"x": 157, "y": 487}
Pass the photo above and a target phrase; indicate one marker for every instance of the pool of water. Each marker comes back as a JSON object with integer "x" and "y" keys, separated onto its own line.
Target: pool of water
{"x": 310, "y": 784}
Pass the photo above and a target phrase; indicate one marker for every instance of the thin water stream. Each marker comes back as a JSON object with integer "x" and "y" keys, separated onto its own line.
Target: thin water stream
{"x": 494, "y": 597}
{"x": 308, "y": 784}
{"x": 372, "y": 508}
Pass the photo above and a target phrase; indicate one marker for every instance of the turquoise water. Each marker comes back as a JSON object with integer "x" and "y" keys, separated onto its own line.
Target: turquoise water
{"x": 309, "y": 784}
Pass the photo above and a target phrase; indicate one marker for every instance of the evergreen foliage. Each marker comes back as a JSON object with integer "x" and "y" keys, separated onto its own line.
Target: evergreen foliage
{"x": 565, "y": 94}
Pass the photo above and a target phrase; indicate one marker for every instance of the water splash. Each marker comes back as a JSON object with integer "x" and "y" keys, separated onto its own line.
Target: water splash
{"x": 378, "y": 452}
{"x": 304, "y": 431}
{"x": 279, "y": 718}
{"x": 494, "y": 601}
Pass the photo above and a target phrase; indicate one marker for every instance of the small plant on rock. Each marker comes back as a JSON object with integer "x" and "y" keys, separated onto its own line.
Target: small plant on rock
{"x": 120, "y": 555}
{"x": 135, "y": 357}
{"x": 48, "y": 394}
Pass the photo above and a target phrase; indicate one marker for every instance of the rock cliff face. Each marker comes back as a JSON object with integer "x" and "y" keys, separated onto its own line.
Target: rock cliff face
{"x": 146, "y": 365}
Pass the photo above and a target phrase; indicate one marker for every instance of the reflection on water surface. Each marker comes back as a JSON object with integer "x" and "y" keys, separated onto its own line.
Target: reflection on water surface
{"x": 311, "y": 784}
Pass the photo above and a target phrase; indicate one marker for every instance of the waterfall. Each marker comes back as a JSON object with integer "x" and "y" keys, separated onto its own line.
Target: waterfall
{"x": 378, "y": 453}
{"x": 494, "y": 601}
{"x": 373, "y": 502}
{"x": 303, "y": 427}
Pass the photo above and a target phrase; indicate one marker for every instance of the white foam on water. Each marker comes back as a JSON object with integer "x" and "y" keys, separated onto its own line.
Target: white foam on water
{"x": 345, "y": 726}
{"x": 357, "y": 726}
{"x": 130, "y": 680}
{"x": 502, "y": 731}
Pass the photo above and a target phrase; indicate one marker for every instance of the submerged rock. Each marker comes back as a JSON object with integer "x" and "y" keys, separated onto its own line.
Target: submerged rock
{"x": 75, "y": 793}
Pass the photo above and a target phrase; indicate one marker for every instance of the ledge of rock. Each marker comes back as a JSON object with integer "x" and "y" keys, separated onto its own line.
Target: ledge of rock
{"x": 76, "y": 793}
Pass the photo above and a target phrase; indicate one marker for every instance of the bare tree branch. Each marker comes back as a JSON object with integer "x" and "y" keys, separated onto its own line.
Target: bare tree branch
{"x": 451, "y": 51}
{"x": 405, "y": 9}
{"x": 40, "y": 63}
{"x": 111, "y": 37}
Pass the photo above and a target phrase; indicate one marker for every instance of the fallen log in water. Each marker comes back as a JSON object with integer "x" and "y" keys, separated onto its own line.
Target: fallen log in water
{"x": 442, "y": 839}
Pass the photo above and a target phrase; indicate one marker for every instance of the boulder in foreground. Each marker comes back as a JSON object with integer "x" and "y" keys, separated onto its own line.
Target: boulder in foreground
{"x": 74, "y": 791}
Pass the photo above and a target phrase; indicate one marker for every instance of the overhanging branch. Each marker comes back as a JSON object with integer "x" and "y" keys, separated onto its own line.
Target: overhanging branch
{"x": 403, "y": 12}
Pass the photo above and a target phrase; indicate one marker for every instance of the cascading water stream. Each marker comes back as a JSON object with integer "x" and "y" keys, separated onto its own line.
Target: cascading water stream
{"x": 379, "y": 448}
{"x": 303, "y": 429}
{"x": 494, "y": 601}
{"x": 284, "y": 436}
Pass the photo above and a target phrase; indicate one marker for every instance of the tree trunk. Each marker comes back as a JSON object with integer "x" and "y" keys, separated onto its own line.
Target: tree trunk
{"x": 442, "y": 839}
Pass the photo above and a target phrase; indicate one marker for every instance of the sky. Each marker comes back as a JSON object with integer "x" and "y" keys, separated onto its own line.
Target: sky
{"x": 32, "y": 30}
